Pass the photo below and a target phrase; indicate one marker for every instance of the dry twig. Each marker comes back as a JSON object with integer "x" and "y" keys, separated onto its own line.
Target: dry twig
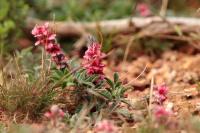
{"x": 121, "y": 25}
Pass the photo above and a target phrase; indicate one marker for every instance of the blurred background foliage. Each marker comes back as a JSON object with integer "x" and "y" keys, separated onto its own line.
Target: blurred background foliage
{"x": 90, "y": 10}
{"x": 12, "y": 16}
{"x": 13, "y": 13}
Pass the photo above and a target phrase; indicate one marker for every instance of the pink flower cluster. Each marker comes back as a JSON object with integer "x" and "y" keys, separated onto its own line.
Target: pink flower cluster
{"x": 93, "y": 60}
{"x": 161, "y": 93}
{"x": 161, "y": 112}
{"x": 54, "y": 113}
{"x": 105, "y": 126}
{"x": 47, "y": 38}
{"x": 143, "y": 9}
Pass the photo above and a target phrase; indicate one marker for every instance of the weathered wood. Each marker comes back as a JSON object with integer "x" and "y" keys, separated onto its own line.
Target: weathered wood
{"x": 157, "y": 25}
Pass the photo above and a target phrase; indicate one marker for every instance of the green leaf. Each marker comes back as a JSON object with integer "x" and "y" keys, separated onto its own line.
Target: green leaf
{"x": 92, "y": 78}
{"x": 118, "y": 84}
{"x": 110, "y": 82}
{"x": 125, "y": 112}
{"x": 96, "y": 93}
{"x": 70, "y": 84}
{"x": 116, "y": 77}
{"x": 4, "y": 8}
{"x": 88, "y": 84}
{"x": 9, "y": 24}
{"x": 107, "y": 94}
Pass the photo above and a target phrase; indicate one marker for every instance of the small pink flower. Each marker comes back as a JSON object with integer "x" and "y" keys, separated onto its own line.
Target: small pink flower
{"x": 143, "y": 9}
{"x": 43, "y": 34}
{"x": 60, "y": 59}
{"x": 105, "y": 126}
{"x": 52, "y": 37}
{"x": 53, "y": 48}
{"x": 61, "y": 113}
{"x": 48, "y": 115}
{"x": 93, "y": 60}
{"x": 161, "y": 112}
{"x": 54, "y": 113}
{"x": 161, "y": 93}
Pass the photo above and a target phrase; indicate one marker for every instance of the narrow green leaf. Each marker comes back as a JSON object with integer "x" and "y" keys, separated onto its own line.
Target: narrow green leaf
{"x": 109, "y": 82}
{"x": 117, "y": 84}
{"x": 107, "y": 94}
{"x": 116, "y": 77}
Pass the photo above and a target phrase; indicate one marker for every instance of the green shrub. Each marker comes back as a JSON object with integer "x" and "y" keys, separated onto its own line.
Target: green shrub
{"x": 12, "y": 16}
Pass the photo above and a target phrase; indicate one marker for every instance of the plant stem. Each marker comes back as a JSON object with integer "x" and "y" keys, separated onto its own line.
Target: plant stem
{"x": 150, "y": 97}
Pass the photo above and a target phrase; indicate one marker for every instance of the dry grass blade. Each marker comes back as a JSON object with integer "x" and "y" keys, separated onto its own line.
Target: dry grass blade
{"x": 151, "y": 97}
{"x": 19, "y": 95}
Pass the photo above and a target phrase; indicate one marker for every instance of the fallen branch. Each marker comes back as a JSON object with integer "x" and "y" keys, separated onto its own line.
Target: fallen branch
{"x": 157, "y": 25}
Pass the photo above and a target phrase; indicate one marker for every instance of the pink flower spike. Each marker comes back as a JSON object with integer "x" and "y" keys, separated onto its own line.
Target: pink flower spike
{"x": 161, "y": 112}
{"x": 47, "y": 38}
{"x": 105, "y": 126}
{"x": 92, "y": 60}
{"x": 161, "y": 93}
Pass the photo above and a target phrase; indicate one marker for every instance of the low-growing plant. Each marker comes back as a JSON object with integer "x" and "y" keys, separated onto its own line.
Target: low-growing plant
{"x": 27, "y": 89}
{"x": 89, "y": 83}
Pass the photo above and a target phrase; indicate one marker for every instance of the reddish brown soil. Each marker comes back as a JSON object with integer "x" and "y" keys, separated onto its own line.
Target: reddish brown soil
{"x": 179, "y": 71}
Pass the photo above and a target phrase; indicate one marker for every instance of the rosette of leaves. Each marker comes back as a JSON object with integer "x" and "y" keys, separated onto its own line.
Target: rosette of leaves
{"x": 88, "y": 88}
{"x": 76, "y": 87}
